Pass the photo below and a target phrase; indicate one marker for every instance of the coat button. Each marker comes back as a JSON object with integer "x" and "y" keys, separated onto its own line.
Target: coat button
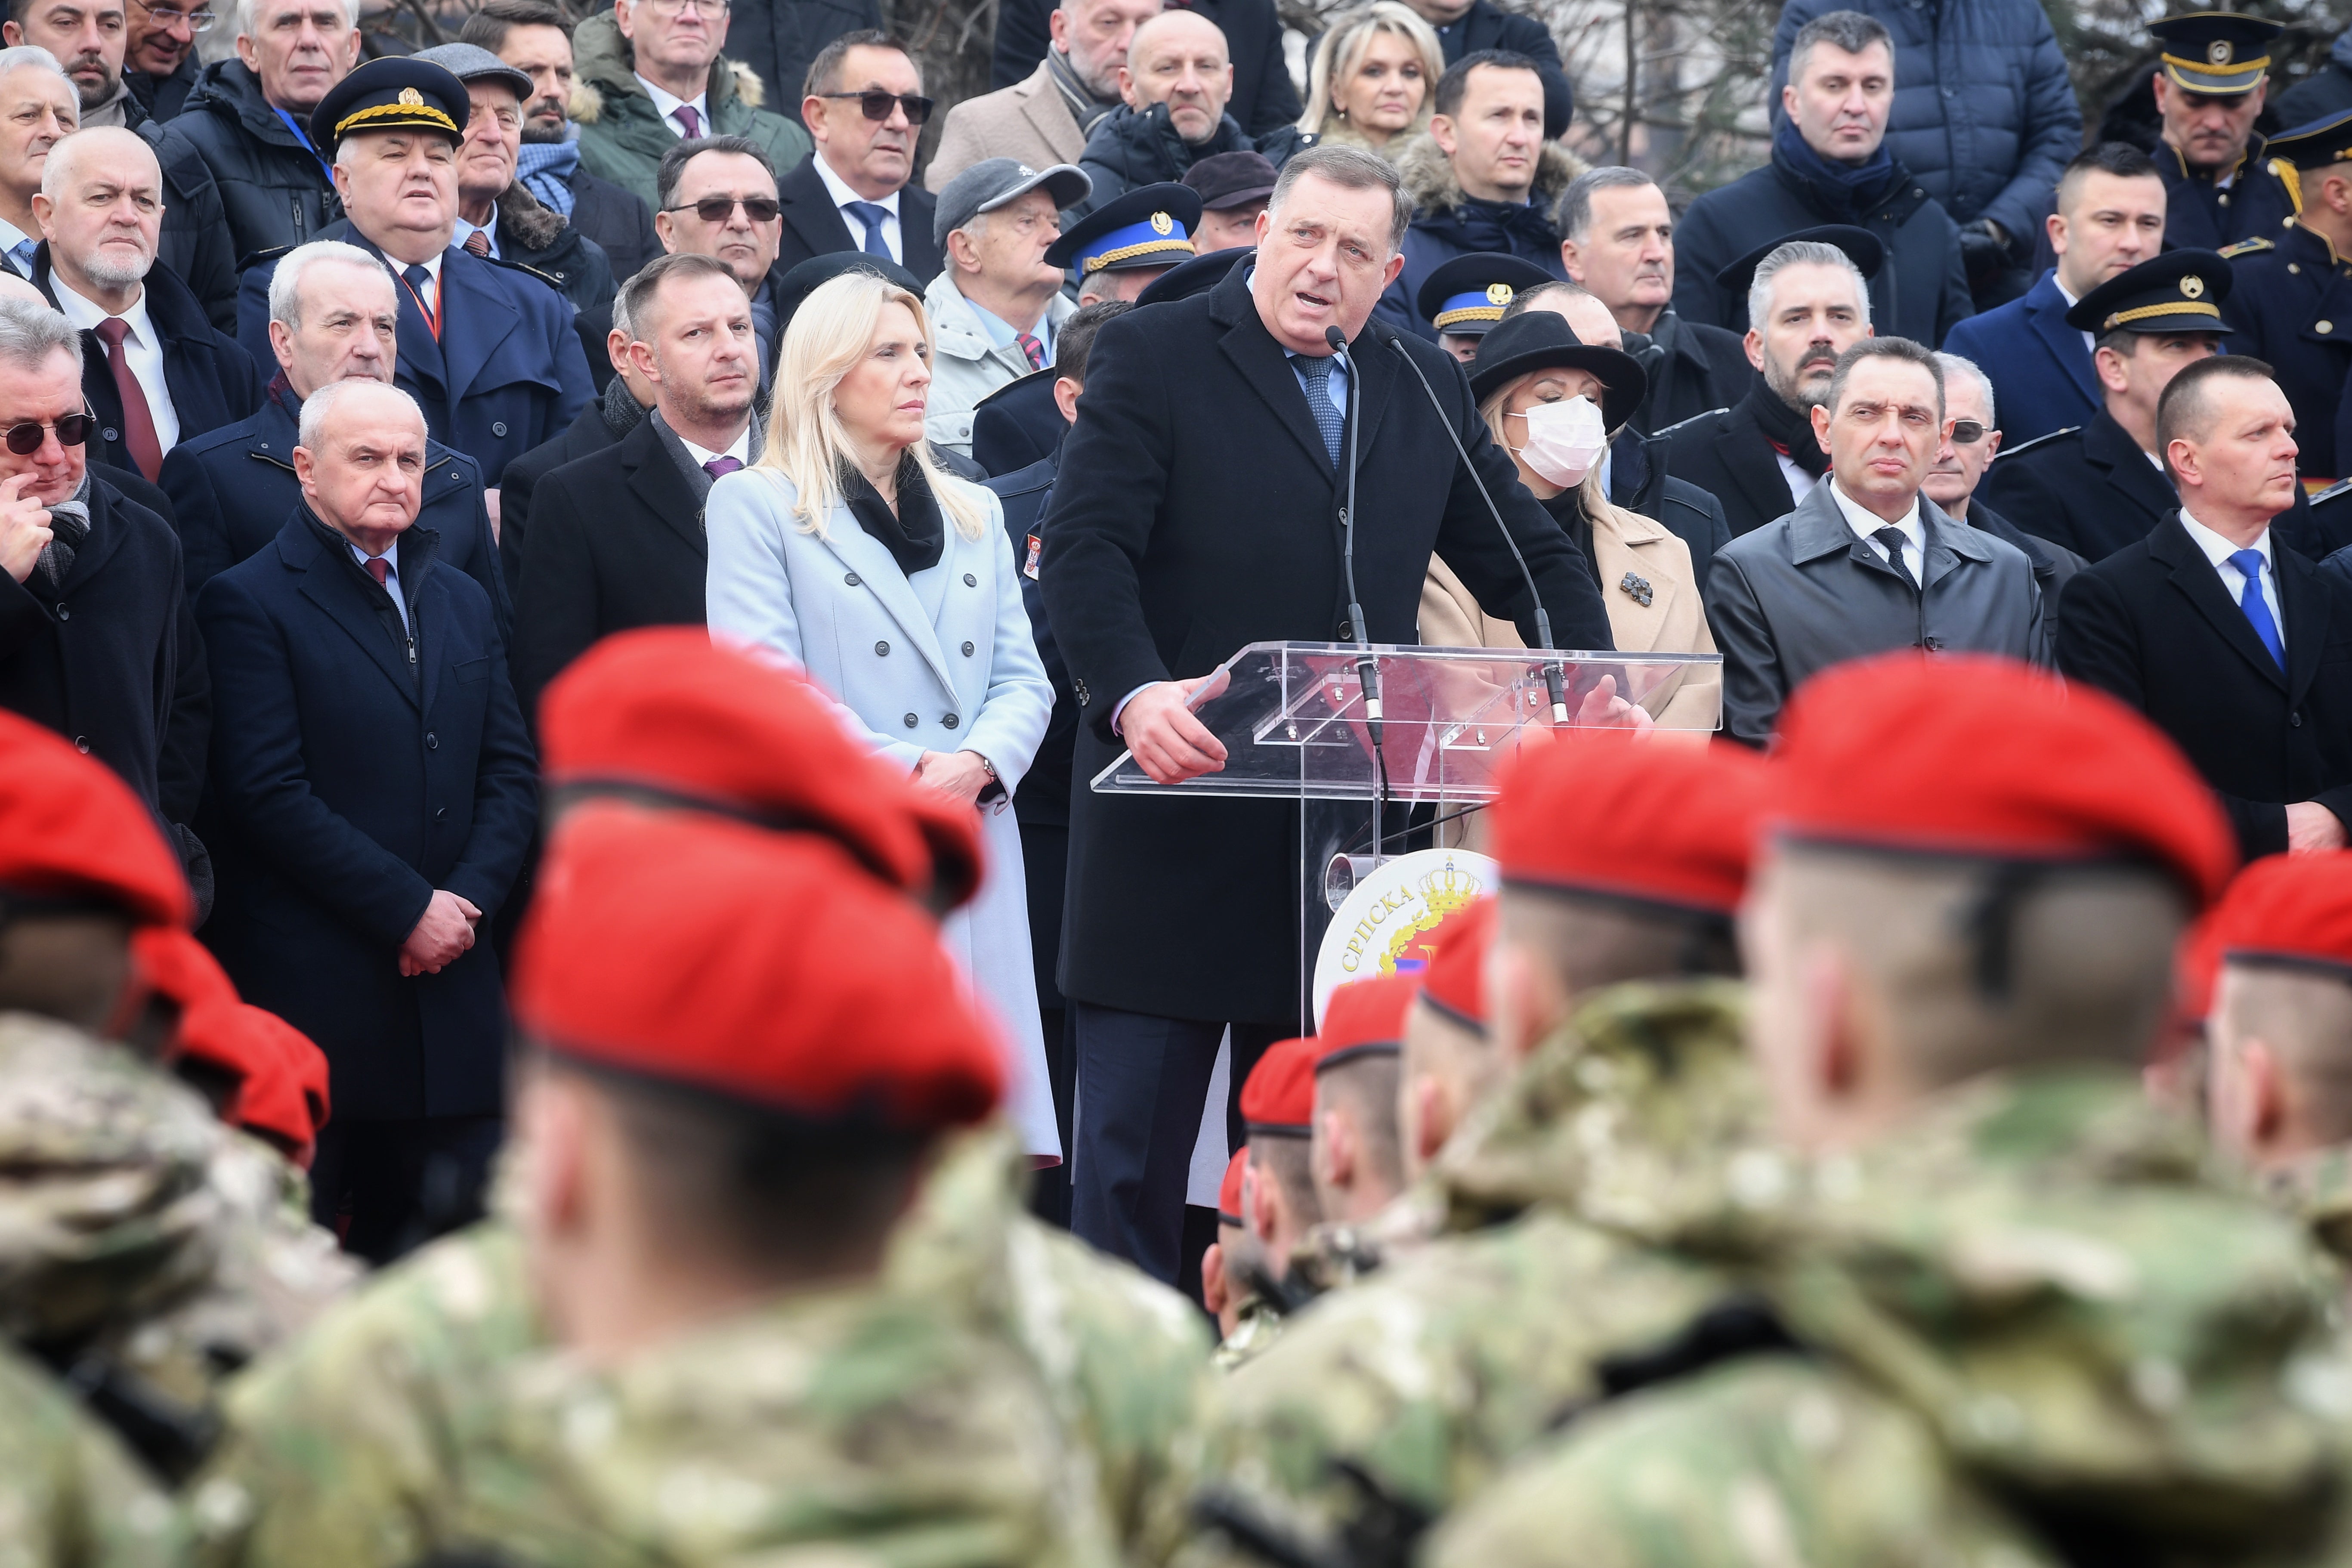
{"x": 970, "y": 581}
{"x": 64, "y": 614}
{"x": 882, "y": 648}
{"x": 2323, "y": 326}
{"x": 912, "y": 720}
{"x": 110, "y": 434}
{"x": 432, "y": 742}
{"x": 2293, "y": 270}
{"x": 851, "y": 579}
{"x": 949, "y": 720}
{"x": 2296, "y": 719}
{"x": 497, "y": 426}
{"x": 440, "y": 812}
{"x": 967, "y": 650}
{"x": 81, "y": 744}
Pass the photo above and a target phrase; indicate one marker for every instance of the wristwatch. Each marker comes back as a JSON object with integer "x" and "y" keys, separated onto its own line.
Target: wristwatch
{"x": 995, "y": 786}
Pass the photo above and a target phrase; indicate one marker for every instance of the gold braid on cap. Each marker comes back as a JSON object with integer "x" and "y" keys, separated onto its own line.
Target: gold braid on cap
{"x": 2224, "y": 67}
{"x": 2141, "y": 313}
{"x": 415, "y": 114}
{"x": 1467, "y": 313}
{"x": 1129, "y": 252}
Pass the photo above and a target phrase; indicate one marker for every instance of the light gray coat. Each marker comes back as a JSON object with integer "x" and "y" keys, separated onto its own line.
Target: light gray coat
{"x": 941, "y": 661}
{"x": 1802, "y": 592}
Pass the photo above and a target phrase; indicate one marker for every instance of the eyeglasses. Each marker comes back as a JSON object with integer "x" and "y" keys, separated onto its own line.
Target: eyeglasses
{"x": 680, "y": 7}
{"x": 875, "y": 103}
{"x": 1966, "y": 432}
{"x": 172, "y": 16}
{"x": 719, "y": 209}
{"x": 72, "y": 430}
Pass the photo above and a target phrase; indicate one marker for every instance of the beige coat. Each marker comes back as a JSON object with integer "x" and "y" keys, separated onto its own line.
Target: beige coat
{"x": 1675, "y": 620}
{"x": 1028, "y": 121}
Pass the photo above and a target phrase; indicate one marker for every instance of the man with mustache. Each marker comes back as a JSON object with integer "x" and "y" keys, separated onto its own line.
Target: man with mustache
{"x": 1866, "y": 563}
{"x": 1810, "y": 299}
{"x": 2210, "y": 82}
{"x": 865, "y": 108}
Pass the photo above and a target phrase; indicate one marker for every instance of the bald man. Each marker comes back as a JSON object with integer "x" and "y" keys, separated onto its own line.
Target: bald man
{"x": 376, "y": 791}
{"x": 1174, "y": 88}
{"x": 154, "y": 367}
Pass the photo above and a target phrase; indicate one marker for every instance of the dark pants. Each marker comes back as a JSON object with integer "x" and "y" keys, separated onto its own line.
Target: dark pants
{"x": 1046, "y": 860}
{"x": 388, "y": 1187}
{"x": 1141, "y": 1082}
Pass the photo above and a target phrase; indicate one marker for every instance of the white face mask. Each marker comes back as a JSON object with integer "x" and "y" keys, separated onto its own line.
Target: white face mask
{"x": 1565, "y": 440}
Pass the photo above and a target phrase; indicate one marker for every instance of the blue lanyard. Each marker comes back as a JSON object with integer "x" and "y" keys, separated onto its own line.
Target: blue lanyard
{"x": 304, "y": 138}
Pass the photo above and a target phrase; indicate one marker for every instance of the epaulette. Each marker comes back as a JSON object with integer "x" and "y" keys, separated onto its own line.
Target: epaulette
{"x": 2247, "y": 247}
{"x": 549, "y": 279}
{"x": 2019, "y": 451}
{"x": 1692, "y": 420}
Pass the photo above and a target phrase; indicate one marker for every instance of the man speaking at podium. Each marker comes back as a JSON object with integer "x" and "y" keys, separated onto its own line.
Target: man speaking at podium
{"x": 1199, "y": 511}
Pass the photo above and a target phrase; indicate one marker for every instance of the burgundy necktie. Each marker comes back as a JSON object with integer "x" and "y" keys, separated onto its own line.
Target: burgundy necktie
{"x": 686, "y": 117}
{"x": 478, "y": 243}
{"x": 719, "y": 468}
{"x": 1032, "y": 348}
{"x": 378, "y": 568}
{"x": 138, "y": 419}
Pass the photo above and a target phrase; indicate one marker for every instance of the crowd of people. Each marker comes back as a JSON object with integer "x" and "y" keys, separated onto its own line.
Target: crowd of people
{"x": 568, "y": 996}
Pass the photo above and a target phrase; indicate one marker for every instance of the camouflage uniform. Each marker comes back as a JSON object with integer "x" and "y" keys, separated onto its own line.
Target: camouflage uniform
{"x": 70, "y": 1496}
{"x": 2318, "y": 1189}
{"x": 2037, "y": 1326}
{"x": 1566, "y": 1199}
{"x": 145, "y": 1246}
{"x": 1256, "y": 1328}
{"x": 360, "y": 1446}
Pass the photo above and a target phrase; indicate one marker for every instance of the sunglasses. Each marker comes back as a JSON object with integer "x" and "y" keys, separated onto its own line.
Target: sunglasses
{"x": 875, "y": 103}
{"x": 719, "y": 209}
{"x": 1966, "y": 432}
{"x": 72, "y": 430}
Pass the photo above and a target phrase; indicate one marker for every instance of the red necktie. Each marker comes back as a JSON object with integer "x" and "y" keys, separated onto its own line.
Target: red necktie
{"x": 478, "y": 243}
{"x": 378, "y": 568}
{"x": 138, "y": 419}
{"x": 1032, "y": 348}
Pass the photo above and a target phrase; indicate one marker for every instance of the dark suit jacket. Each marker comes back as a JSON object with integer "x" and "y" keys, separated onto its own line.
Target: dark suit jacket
{"x": 1702, "y": 368}
{"x": 226, "y": 485}
{"x": 1803, "y": 594}
{"x": 348, "y": 784}
{"x": 2040, "y": 367}
{"x": 587, "y": 435}
{"x": 213, "y": 381}
{"x": 1197, "y": 512}
{"x": 1018, "y": 425}
{"x": 615, "y": 543}
{"x": 1044, "y": 800}
{"x": 618, "y": 219}
{"x": 2153, "y": 625}
{"x": 814, "y": 226}
{"x": 505, "y": 374}
{"x": 2092, "y": 489}
{"x": 1728, "y": 455}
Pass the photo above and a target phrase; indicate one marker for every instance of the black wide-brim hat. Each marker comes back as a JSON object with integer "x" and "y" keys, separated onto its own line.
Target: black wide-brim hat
{"x": 1198, "y": 276}
{"x": 398, "y": 92}
{"x": 1539, "y": 339}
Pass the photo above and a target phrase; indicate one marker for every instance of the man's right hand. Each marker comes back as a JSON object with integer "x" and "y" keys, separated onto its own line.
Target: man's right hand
{"x": 2313, "y": 829}
{"x": 24, "y": 528}
{"x": 441, "y": 935}
{"x": 1170, "y": 743}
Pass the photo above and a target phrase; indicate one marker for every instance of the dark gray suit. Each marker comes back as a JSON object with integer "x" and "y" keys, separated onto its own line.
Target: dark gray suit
{"x": 1802, "y": 592}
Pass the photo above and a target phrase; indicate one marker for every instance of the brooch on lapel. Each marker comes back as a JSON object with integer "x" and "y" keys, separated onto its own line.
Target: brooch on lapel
{"x": 1638, "y": 588}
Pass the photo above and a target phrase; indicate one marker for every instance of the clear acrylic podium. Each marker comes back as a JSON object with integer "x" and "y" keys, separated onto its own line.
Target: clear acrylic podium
{"x": 1291, "y": 716}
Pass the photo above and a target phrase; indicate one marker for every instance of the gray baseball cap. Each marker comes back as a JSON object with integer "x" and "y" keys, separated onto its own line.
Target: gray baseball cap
{"x": 993, "y": 181}
{"x": 471, "y": 63}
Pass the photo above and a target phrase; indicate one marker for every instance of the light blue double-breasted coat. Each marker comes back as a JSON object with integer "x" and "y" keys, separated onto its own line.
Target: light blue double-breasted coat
{"x": 940, "y": 661}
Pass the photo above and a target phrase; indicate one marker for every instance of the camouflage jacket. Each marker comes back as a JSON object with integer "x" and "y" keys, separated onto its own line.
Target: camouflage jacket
{"x": 355, "y": 1447}
{"x": 69, "y": 1495}
{"x": 1256, "y": 1326}
{"x": 2318, "y": 1190}
{"x": 145, "y": 1248}
{"x": 2035, "y": 1322}
{"x": 1385, "y": 1405}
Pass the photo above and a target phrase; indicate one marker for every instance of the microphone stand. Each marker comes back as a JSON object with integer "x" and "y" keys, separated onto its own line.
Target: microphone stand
{"x": 1367, "y": 668}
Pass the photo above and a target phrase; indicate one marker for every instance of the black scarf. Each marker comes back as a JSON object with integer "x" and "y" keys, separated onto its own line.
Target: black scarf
{"x": 1568, "y": 509}
{"x": 1790, "y": 430}
{"x": 914, "y": 534}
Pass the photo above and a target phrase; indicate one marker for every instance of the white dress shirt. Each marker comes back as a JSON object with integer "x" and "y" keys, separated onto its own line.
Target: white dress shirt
{"x": 432, "y": 290}
{"x": 391, "y": 577}
{"x": 1865, "y": 523}
{"x": 665, "y": 104}
{"x": 1800, "y": 483}
{"x": 838, "y": 189}
{"x": 139, "y": 348}
{"x": 2218, "y": 550}
{"x": 11, "y": 236}
{"x": 704, "y": 457}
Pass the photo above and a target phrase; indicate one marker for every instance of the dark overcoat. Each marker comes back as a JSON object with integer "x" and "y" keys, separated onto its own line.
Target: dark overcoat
{"x": 2042, "y": 378}
{"x": 814, "y": 226}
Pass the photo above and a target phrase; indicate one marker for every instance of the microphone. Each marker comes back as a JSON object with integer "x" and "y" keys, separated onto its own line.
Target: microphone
{"x": 1555, "y": 681}
{"x": 1368, "y": 669}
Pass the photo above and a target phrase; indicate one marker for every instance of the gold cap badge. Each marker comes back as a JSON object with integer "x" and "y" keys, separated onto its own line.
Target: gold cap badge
{"x": 2217, "y": 51}
{"x": 1498, "y": 293}
{"x": 1161, "y": 223}
{"x": 2192, "y": 286}
{"x": 411, "y": 98}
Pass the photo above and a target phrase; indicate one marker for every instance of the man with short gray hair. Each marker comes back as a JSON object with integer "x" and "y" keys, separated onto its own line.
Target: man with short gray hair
{"x": 1973, "y": 438}
{"x": 1830, "y": 165}
{"x": 997, "y": 304}
{"x": 376, "y": 792}
{"x": 1866, "y": 563}
{"x": 1198, "y": 511}
{"x": 39, "y": 109}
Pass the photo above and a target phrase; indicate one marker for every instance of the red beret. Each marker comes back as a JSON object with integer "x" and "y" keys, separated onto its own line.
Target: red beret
{"x": 1456, "y": 981}
{"x": 768, "y": 967}
{"x": 275, "y": 1060}
{"x": 69, "y": 828}
{"x": 1600, "y": 811}
{"x": 2291, "y": 908}
{"x": 1229, "y": 1191}
{"x": 1365, "y": 1017}
{"x": 665, "y": 709}
{"x": 182, "y": 970}
{"x": 1278, "y": 1096}
{"x": 1975, "y": 755}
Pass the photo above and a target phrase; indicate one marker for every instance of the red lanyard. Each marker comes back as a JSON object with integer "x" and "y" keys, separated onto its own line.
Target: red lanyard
{"x": 432, "y": 317}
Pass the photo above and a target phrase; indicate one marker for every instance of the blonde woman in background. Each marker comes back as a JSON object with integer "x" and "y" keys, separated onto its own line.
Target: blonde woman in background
{"x": 1552, "y": 403}
{"x": 1369, "y": 81}
{"x": 845, "y": 549}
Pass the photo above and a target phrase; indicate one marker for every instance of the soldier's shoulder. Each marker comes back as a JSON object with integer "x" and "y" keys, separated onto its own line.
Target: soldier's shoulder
{"x": 69, "y": 1492}
{"x": 2246, "y": 248}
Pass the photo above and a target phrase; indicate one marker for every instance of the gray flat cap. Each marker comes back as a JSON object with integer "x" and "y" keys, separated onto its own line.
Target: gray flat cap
{"x": 472, "y": 63}
{"x": 993, "y": 181}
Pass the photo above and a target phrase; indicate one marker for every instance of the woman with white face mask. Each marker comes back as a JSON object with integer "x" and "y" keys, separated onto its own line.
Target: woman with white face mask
{"x": 1553, "y": 403}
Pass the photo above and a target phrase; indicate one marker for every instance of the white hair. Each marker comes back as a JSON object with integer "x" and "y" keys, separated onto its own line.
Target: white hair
{"x": 244, "y": 16}
{"x": 31, "y": 334}
{"x": 1953, "y": 365}
{"x": 286, "y": 283}
{"x": 320, "y": 405}
{"x": 32, "y": 56}
{"x": 1802, "y": 253}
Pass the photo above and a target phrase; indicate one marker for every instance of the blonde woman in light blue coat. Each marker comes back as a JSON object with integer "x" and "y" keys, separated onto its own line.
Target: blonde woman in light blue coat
{"x": 845, "y": 550}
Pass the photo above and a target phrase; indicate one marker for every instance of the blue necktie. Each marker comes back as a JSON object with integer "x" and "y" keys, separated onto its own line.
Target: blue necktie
{"x": 1328, "y": 417}
{"x": 22, "y": 255}
{"x": 2257, "y": 609}
{"x": 871, "y": 215}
